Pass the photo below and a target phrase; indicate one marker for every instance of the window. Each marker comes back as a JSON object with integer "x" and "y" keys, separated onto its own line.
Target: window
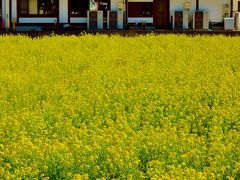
{"x": 238, "y": 6}
{"x": 47, "y": 7}
{"x": 23, "y": 6}
{"x": 80, "y": 7}
{"x": 140, "y": 9}
{"x": 146, "y": 9}
{"x": 38, "y": 7}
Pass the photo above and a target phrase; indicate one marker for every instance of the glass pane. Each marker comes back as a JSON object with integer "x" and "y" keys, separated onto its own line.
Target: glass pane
{"x": 48, "y": 7}
{"x": 79, "y": 7}
{"x": 33, "y": 7}
{"x": 140, "y": 9}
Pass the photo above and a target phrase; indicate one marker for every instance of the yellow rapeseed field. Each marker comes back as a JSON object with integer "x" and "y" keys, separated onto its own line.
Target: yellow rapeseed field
{"x": 100, "y": 107}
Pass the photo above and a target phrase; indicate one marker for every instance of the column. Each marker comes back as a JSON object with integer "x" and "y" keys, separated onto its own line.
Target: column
{"x": 63, "y": 11}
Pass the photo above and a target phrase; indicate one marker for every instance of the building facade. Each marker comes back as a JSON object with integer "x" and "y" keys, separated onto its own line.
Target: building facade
{"x": 159, "y": 13}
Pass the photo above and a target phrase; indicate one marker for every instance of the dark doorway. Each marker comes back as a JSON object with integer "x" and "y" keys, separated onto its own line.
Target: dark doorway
{"x": 161, "y": 14}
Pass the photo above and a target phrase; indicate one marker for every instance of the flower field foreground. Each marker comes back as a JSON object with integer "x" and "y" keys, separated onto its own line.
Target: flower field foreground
{"x": 100, "y": 107}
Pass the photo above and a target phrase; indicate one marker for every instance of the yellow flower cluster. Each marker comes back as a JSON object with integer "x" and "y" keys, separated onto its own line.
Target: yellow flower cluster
{"x": 112, "y": 107}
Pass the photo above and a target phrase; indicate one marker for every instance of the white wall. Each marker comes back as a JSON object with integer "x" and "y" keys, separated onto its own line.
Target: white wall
{"x": 215, "y": 8}
{"x": 5, "y": 13}
{"x": 116, "y": 3}
{"x": 177, "y": 5}
{"x": 140, "y": 20}
{"x": 235, "y": 5}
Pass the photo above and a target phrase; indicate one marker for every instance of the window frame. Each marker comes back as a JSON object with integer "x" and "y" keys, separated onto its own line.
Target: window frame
{"x": 84, "y": 14}
{"x": 81, "y": 14}
{"x": 38, "y": 14}
{"x": 136, "y": 9}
